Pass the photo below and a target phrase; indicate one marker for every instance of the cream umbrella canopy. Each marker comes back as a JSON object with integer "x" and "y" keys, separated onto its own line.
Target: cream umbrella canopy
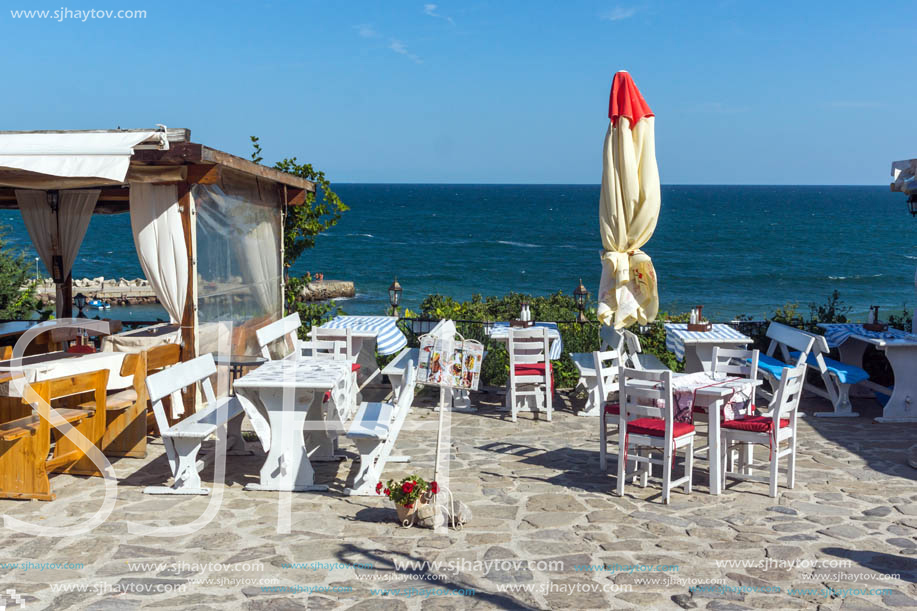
{"x": 628, "y": 209}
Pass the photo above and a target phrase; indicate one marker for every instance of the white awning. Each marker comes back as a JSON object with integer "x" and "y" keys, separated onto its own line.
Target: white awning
{"x": 30, "y": 160}
{"x": 905, "y": 175}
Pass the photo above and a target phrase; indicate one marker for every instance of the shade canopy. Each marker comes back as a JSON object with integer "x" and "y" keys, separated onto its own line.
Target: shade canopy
{"x": 628, "y": 209}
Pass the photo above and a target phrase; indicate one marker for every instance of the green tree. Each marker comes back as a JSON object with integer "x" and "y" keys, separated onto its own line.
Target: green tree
{"x": 321, "y": 211}
{"x": 17, "y": 286}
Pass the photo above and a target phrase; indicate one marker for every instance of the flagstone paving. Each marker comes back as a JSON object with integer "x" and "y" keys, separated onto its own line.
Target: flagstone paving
{"x": 542, "y": 512}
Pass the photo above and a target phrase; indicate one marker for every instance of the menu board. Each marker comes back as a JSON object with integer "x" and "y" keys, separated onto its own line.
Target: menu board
{"x": 450, "y": 362}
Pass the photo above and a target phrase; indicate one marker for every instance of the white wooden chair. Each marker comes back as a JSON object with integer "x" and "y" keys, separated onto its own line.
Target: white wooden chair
{"x": 183, "y": 439}
{"x": 374, "y": 431}
{"x": 639, "y": 359}
{"x": 775, "y": 428}
{"x": 607, "y": 365}
{"x": 609, "y": 339}
{"x": 651, "y": 429}
{"x": 284, "y": 332}
{"x": 531, "y": 378}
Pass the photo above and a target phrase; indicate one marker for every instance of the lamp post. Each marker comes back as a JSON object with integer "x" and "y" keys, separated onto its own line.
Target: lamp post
{"x": 580, "y": 295}
{"x": 80, "y": 302}
{"x": 394, "y": 296}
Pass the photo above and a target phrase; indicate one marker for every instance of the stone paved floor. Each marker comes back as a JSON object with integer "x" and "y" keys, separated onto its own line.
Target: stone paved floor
{"x": 538, "y": 500}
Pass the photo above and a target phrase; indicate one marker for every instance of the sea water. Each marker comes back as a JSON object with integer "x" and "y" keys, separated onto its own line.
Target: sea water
{"x": 732, "y": 249}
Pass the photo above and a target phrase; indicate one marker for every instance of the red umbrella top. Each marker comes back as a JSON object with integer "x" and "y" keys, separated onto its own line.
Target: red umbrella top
{"x": 626, "y": 101}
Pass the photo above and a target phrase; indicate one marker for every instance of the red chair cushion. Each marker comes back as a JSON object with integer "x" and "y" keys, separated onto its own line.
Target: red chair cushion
{"x": 77, "y": 349}
{"x": 613, "y": 408}
{"x": 755, "y": 424}
{"x": 354, "y": 367}
{"x": 655, "y": 427}
{"x": 534, "y": 369}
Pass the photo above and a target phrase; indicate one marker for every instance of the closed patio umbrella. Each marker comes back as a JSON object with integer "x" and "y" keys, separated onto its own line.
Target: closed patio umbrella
{"x": 628, "y": 209}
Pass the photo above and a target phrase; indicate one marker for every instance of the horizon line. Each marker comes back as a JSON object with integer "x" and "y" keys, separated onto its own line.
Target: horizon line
{"x": 592, "y": 184}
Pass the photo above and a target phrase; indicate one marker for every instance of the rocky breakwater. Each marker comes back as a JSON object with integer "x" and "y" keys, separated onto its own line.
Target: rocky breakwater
{"x": 327, "y": 289}
{"x": 116, "y": 292}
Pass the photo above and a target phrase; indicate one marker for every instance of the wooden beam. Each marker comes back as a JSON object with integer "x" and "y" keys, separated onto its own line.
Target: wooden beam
{"x": 295, "y": 197}
{"x": 189, "y": 315}
{"x": 250, "y": 167}
{"x": 183, "y": 152}
{"x": 204, "y": 174}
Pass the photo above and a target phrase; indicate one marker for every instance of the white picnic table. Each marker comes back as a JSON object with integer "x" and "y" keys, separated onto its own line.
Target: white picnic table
{"x": 370, "y": 334}
{"x": 695, "y": 348}
{"x": 283, "y": 399}
{"x": 52, "y": 365}
{"x": 900, "y": 347}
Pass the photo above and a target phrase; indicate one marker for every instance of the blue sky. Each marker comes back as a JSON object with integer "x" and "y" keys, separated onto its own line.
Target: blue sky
{"x": 744, "y": 92}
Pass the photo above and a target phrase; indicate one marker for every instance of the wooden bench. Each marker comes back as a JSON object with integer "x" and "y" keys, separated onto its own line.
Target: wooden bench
{"x": 183, "y": 439}
{"x": 25, "y": 443}
{"x": 125, "y": 419}
{"x": 374, "y": 430}
{"x": 784, "y": 341}
{"x": 836, "y": 376}
{"x": 284, "y": 332}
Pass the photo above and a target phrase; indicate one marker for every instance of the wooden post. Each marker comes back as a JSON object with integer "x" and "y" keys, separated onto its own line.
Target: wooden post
{"x": 66, "y": 291}
{"x": 189, "y": 316}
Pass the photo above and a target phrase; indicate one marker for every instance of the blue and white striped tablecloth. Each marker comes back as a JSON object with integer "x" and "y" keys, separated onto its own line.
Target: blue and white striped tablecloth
{"x": 500, "y": 331}
{"x": 677, "y": 335}
{"x": 837, "y": 334}
{"x": 389, "y": 338}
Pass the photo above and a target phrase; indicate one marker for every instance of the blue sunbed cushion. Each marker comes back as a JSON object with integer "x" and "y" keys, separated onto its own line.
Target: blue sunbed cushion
{"x": 772, "y": 365}
{"x": 846, "y": 374}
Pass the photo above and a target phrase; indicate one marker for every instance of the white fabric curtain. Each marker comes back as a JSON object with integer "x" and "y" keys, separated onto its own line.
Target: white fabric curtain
{"x": 160, "y": 242}
{"x": 261, "y": 264}
{"x": 59, "y": 233}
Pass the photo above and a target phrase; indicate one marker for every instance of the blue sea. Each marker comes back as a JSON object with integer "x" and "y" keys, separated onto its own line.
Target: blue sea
{"x": 733, "y": 249}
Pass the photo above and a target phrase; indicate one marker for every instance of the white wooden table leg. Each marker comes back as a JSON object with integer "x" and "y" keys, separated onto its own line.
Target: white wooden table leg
{"x": 902, "y": 406}
{"x": 593, "y": 406}
{"x": 287, "y": 466}
{"x": 698, "y": 357}
{"x": 851, "y": 352}
{"x": 715, "y": 453}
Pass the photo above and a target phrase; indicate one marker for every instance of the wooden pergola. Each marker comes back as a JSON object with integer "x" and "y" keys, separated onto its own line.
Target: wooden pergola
{"x": 185, "y": 164}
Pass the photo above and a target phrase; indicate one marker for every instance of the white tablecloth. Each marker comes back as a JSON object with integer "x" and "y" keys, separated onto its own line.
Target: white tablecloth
{"x": 60, "y": 364}
{"x": 144, "y": 338}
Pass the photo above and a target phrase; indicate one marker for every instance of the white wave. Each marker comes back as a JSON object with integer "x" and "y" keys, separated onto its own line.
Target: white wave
{"x": 857, "y": 277}
{"x": 519, "y": 244}
{"x": 360, "y": 235}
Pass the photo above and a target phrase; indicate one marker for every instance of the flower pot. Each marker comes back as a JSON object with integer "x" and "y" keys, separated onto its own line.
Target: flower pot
{"x": 421, "y": 513}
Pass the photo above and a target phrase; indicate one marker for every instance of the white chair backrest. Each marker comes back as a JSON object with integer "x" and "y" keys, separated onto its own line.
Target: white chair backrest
{"x": 527, "y": 346}
{"x": 406, "y": 394}
{"x": 632, "y": 341}
{"x": 607, "y": 366}
{"x": 786, "y": 337}
{"x": 737, "y": 362}
{"x": 610, "y": 339}
{"x": 786, "y": 399}
{"x": 335, "y": 344}
{"x": 641, "y": 391}
{"x": 169, "y": 382}
{"x": 286, "y": 328}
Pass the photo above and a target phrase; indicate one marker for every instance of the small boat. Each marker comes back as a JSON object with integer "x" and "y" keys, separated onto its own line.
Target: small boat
{"x": 98, "y": 303}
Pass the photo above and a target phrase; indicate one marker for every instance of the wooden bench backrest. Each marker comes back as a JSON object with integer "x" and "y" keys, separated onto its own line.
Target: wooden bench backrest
{"x": 135, "y": 364}
{"x": 93, "y": 381}
{"x": 162, "y": 356}
{"x": 785, "y": 337}
{"x": 170, "y": 381}
{"x": 406, "y": 394}
{"x": 286, "y": 329}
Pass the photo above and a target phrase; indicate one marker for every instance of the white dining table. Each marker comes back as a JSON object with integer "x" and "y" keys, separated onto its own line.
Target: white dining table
{"x": 695, "y": 348}
{"x": 283, "y": 399}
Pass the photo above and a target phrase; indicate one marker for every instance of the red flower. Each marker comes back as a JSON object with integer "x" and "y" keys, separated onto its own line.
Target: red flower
{"x": 434, "y": 487}
{"x": 379, "y": 488}
{"x": 388, "y": 492}
{"x": 407, "y": 487}
{"x": 409, "y": 506}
